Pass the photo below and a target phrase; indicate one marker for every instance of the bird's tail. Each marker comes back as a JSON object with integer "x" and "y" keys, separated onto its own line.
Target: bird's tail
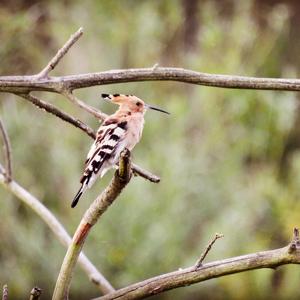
{"x": 77, "y": 197}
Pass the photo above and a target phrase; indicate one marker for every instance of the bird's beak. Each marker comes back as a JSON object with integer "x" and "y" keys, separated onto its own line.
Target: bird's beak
{"x": 156, "y": 108}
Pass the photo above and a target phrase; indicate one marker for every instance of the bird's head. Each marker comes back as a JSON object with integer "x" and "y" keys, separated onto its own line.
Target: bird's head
{"x": 131, "y": 103}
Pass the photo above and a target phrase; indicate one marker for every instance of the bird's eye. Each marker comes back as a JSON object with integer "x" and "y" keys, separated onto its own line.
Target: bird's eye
{"x": 138, "y": 104}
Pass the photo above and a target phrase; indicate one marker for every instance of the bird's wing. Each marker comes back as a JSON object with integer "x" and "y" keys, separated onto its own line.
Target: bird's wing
{"x": 109, "y": 136}
{"x": 107, "y": 145}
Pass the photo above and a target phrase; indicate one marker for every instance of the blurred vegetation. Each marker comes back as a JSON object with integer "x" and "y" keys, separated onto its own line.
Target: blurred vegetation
{"x": 229, "y": 159}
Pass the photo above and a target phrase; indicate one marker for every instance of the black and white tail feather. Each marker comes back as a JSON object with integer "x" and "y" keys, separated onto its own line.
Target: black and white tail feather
{"x": 104, "y": 153}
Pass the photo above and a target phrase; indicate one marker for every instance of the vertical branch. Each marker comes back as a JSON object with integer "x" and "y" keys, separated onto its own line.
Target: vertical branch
{"x": 5, "y": 292}
{"x": 91, "y": 216}
{"x": 7, "y": 152}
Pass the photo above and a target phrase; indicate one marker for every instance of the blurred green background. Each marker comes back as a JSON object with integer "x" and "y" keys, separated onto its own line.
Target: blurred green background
{"x": 229, "y": 159}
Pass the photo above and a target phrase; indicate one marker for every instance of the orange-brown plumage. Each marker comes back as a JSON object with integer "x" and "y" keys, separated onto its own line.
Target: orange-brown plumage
{"x": 121, "y": 130}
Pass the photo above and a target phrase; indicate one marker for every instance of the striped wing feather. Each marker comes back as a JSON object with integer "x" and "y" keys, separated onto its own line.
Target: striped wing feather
{"x": 100, "y": 157}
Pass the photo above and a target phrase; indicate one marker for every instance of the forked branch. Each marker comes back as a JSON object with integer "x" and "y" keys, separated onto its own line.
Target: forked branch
{"x": 184, "y": 277}
{"x": 63, "y": 89}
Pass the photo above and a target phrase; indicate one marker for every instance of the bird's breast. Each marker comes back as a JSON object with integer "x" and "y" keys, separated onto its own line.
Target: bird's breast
{"x": 134, "y": 131}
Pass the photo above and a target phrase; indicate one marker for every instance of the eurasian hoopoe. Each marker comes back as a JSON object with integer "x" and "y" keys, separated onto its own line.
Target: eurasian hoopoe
{"x": 121, "y": 130}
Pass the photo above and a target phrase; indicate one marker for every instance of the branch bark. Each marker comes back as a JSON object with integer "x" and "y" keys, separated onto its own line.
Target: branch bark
{"x": 65, "y": 85}
{"x": 59, "y": 113}
{"x": 63, "y": 89}
{"x": 7, "y": 152}
{"x": 5, "y": 292}
{"x": 58, "y": 84}
{"x": 35, "y": 293}
{"x": 184, "y": 277}
{"x": 95, "y": 112}
{"x": 199, "y": 262}
{"x": 59, "y": 231}
{"x": 60, "y": 54}
{"x": 95, "y": 211}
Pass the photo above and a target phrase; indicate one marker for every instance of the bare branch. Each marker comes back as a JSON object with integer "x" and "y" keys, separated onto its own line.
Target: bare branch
{"x": 65, "y": 85}
{"x": 184, "y": 277}
{"x": 295, "y": 244}
{"x": 27, "y": 84}
{"x": 144, "y": 173}
{"x": 7, "y": 152}
{"x": 59, "y": 231}
{"x": 60, "y": 54}
{"x": 35, "y": 293}
{"x": 96, "y": 113}
{"x": 5, "y": 292}
{"x": 199, "y": 262}
{"x": 58, "y": 113}
{"x": 91, "y": 216}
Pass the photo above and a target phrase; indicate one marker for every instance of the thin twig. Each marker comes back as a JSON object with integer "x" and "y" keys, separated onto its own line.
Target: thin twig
{"x": 50, "y": 108}
{"x": 7, "y": 152}
{"x": 35, "y": 293}
{"x": 184, "y": 277}
{"x": 295, "y": 244}
{"x": 199, "y": 262}
{"x": 59, "y": 231}
{"x": 60, "y": 54}
{"x": 96, "y": 113}
{"x": 137, "y": 170}
{"x": 5, "y": 292}
{"x": 91, "y": 216}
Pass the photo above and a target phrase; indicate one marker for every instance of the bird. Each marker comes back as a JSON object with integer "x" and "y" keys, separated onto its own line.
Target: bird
{"x": 121, "y": 130}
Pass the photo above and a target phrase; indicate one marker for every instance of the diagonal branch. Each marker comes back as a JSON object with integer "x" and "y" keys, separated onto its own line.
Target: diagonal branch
{"x": 60, "y": 54}
{"x": 199, "y": 262}
{"x": 59, "y": 231}
{"x": 96, "y": 113}
{"x": 58, "y": 113}
{"x": 7, "y": 152}
{"x": 184, "y": 277}
{"x": 95, "y": 211}
{"x": 137, "y": 170}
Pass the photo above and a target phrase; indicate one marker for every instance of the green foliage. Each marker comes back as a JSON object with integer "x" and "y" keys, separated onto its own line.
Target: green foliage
{"x": 218, "y": 154}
